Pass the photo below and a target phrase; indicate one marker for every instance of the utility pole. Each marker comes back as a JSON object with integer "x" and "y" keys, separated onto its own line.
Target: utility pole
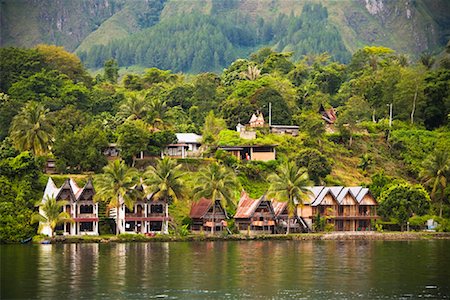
{"x": 270, "y": 113}
{"x": 390, "y": 115}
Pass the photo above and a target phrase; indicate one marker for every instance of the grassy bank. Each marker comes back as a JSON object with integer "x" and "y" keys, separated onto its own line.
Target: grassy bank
{"x": 387, "y": 236}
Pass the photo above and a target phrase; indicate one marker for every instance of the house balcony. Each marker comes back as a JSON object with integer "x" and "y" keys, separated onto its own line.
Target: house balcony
{"x": 263, "y": 223}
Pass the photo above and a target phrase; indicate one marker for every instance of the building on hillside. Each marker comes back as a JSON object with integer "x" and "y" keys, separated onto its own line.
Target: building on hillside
{"x": 187, "y": 145}
{"x": 249, "y": 133}
{"x": 257, "y": 121}
{"x": 208, "y": 218}
{"x": 284, "y": 129}
{"x": 148, "y": 216}
{"x": 346, "y": 208}
{"x": 80, "y": 206}
{"x": 296, "y": 223}
{"x": 112, "y": 152}
{"x": 252, "y": 152}
{"x": 328, "y": 115}
{"x": 255, "y": 216}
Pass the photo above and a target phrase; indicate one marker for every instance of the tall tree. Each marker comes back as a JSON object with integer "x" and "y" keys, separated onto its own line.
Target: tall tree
{"x": 111, "y": 71}
{"x": 53, "y": 214}
{"x": 117, "y": 186}
{"x": 216, "y": 182}
{"x": 289, "y": 184}
{"x": 436, "y": 173}
{"x": 165, "y": 182}
{"x": 30, "y": 129}
{"x": 135, "y": 107}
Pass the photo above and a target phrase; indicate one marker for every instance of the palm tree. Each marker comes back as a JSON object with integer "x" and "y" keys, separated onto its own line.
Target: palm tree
{"x": 116, "y": 186}
{"x": 252, "y": 73}
{"x": 158, "y": 110}
{"x": 215, "y": 182}
{"x": 436, "y": 173}
{"x": 53, "y": 213}
{"x": 30, "y": 129}
{"x": 135, "y": 107}
{"x": 165, "y": 182}
{"x": 290, "y": 184}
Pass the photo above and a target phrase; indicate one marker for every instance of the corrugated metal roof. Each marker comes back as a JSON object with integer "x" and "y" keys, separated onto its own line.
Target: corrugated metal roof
{"x": 355, "y": 190}
{"x": 325, "y": 191}
{"x": 189, "y": 138}
{"x": 278, "y": 207}
{"x": 361, "y": 194}
{"x": 200, "y": 208}
{"x": 246, "y": 206}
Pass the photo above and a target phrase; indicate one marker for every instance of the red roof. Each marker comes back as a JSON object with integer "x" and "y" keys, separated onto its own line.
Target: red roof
{"x": 246, "y": 206}
{"x": 200, "y": 208}
{"x": 278, "y": 207}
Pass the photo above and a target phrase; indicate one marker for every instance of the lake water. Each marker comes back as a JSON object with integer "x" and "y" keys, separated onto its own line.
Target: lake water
{"x": 228, "y": 270}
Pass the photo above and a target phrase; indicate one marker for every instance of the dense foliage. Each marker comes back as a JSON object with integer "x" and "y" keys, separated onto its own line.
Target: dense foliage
{"x": 198, "y": 42}
{"x": 50, "y": 107}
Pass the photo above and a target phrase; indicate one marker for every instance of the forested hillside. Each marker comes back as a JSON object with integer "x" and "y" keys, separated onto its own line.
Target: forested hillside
{"x": 207, "y": 35}
{"x": 51, "y": 108}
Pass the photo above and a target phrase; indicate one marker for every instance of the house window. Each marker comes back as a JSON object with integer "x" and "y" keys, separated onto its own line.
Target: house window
{"x": 155, "y": 225}
{"x": 156, "y": 208}
{"x": 129, "y": 226}
{"x": 86, "y": 226}
{"x": 86, "y": 209}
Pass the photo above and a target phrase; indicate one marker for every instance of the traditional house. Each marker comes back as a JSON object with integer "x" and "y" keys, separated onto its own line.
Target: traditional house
{"x": 328, "y": 115}
{"x": 257, "y": 121}
{"x": 347, "y": 208}
{"x": 252, "y": 152}
{"x": 148, "y": 216}
{"x": 188, "y": 145}
{"x": 296, "y": 223}
{"x": 208, "y": 218}
{"x": 255, "y": 216}
{"x": 80, "y": 206}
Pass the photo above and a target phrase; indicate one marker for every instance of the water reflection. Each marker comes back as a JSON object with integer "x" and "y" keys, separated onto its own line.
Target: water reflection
{"x": 208, "y": 270}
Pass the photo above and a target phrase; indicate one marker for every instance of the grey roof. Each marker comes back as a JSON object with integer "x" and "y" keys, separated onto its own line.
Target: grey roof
{"x": 363, "y": 192}
{"x": 285, "y": 126}
{"x": 188, "y": 138}
{"x": 325, "y": 191}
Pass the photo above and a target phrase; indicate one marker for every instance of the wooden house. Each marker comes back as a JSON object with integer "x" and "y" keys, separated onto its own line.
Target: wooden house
{"x": 255, "y": 216}
{"x": 347, "y": 208}
{"x": 80, "y": 206}
{"x": 296, "y": 223}
{"x": 208, "y": 218}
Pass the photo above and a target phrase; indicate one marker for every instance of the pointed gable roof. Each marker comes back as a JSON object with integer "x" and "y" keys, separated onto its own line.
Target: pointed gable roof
{"x": 362, "y": 194}
{"x": 66, "y": 186}
{"x": 253, "y": 119}
{"x": 51, "y": 190}
{"x": 88, "y": 186}
{"x": 323, "y": 193}
{"x": 200, "y": 208}
{"x": 314, "y": 193}
{"x": 278, "y": 207}
{"x": 246, "y": 206}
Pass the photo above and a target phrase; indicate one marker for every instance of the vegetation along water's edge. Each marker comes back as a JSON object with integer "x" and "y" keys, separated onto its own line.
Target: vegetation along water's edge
{"x": 384, "y": 236}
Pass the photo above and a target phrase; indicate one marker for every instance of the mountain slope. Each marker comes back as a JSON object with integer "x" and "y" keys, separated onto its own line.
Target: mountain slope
{"x": 100, "y": 29}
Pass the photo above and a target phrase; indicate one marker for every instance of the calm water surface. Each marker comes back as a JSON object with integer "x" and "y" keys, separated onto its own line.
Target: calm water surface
{"x": 228, "y": 270}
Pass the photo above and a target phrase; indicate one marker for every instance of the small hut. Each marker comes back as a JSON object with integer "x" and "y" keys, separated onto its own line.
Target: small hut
{"x": 208, "y": 218}
{"x": 255, "y": 216}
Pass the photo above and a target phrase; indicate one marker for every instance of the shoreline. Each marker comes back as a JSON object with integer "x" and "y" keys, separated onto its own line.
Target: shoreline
{"x": 334, "y": 236}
